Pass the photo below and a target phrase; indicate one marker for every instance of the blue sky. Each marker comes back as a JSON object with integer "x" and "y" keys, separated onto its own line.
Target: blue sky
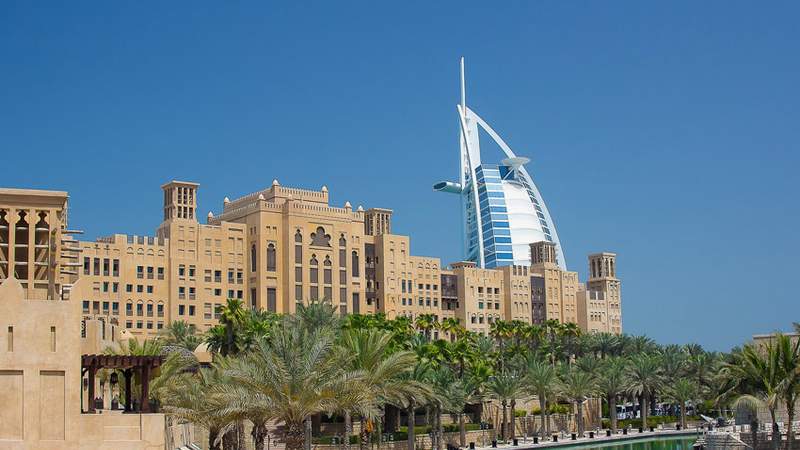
{"x": 664, "y": 131}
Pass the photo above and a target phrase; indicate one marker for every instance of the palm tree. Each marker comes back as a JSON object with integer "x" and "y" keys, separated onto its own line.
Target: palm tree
{"x": 611, "y": 383}
{"x": 756, "y": 373}
{"x": 789, "y": 366}
{"x": 191, "y": 398}
{"x": 420, "y": 373}
{"x": 383, "y": 374}
{"x": 681, "y": 391}
{"x": 542, "y": 381}
{"x": 577, "y": 386}
{"x": 180, "y": 333}
{"x": 425, "y": 323}
{"x": 452, "y": 327}
{"x": 644, "y": 379}
{"x": 605, "y": 343}
{"x": 226, "y": 337}
{"x": 297, "y": 372}
{"x": 507, "y": 387}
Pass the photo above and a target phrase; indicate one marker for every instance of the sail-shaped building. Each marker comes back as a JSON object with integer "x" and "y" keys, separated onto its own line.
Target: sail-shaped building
{"x": 503, "y": 211}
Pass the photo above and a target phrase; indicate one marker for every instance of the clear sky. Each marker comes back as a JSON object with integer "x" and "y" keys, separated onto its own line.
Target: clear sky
{"x": 664, "y": 131}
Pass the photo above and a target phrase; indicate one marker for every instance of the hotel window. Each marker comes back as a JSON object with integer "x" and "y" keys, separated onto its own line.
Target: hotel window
{"x": 139, "y": 324}
{"x": 160, "y": 273}
{"x": 140, "y": 309}
{"x": 272, "y": 300}
{"x": 253, "y": 258}
{"x": 314, "y": 295}
{"x": 207, "y": 311}
{"x": 115, "y": 308}
{"x": 355, "y": 264}
{"x": 128, "y": 324}
{"x": 239, "y": 277}
{"x": 106, "y": 266}
{"x": 343, "y": 296}
{"x": 181, "y": 270}
{"x": 140, "y": 272}
{"x": 115, "y": 287}
{"x": 87, "y": 263}
{"x": 160, "y": 310}
{"x": 207, "y": 276}
{"x": 218, "y": 276}
{"x": 342, "y": 252}
{"x": 191, "y": 310}
{"x": 271, "y": 258}
{"x": 314, "y": 271}
{"x": 356, "y": 303}
{"x": 342, "y": 277}
{"x": 105, "y": 307}
{"x": 217, "y": 292}
{"x": 230, "y": 293}
{"x": 105, "y": 286}
{"x": 115, "y": 268}
{"x": 149, "y": 289}
{"x": 231, "y": 278}
{"x": 86, "y": 306}
{"x": 129, "y": 309}
{"x": 139, "y": 288}
{"x": 403, "y": 289}
{"x": 328, "y": 293}
{"x": 149, "y": 310}
{"x": 240, "y": 294}
{"x": 97, "y": 266}
{"x": 191, "y": 293}
{"x": 149, "y": 272}
{"x": 181, "y": 292}
{"x": 298, "y": 292}
{"x": 191, "y": 271}
{"x": 181, "y": 310}
{"x": 149, "y": 325}
{"x": 327, "y": 275}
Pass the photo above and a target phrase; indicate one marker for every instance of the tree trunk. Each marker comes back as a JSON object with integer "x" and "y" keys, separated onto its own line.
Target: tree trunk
{"x": 411, "y": 436}
{"x": 580, "y": 419}
{"x": 230, "y": 440}
{"x": 612, "y": 412}
{"x": 348, "y": 430}
{"x": 212, "y": 440}
{"x": 240, "y": 437}
{"x": 439, "y": 429}
{"x": 790, "y": 419}
{"x": 259, "y": 433}
{"x": 503, "y": 423}
{"x": 308, "y": 433}
{"x": 513, "y": 432}
{"x": 643, "y": 407}
{"x": 364, "y": 435}
{"x": 754, "y": 430}
{"x": 462, "y": 430}
{"x": 683, "y": 416}
{"x": 295, "y": 435}
{"x": 776, "y": 432}
{"x": 543, "y": 412}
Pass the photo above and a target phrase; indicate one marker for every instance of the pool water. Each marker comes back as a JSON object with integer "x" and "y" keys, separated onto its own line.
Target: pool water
{"x": 681, "y": 443}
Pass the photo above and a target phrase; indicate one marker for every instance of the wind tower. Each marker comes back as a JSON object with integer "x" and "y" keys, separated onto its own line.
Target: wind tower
{"x": 503, "y": 210}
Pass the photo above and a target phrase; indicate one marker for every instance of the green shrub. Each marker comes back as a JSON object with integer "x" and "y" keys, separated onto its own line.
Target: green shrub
{"x": 652, "y": 421}
{"x": 520, "y": 413}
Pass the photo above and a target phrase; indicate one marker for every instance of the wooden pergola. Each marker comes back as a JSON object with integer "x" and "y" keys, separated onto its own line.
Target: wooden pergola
{"x": 144, "y": 365}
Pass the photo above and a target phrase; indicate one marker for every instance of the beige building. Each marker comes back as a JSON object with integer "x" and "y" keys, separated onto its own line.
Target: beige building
{"x": 279, "y": 247}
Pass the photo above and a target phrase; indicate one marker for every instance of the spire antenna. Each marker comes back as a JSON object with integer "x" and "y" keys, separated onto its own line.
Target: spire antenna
{"x": 463, "y": 90}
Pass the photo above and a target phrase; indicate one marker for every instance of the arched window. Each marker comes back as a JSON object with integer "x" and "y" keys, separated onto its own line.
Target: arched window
{"x": 355, "y": 264}
{"x": 298, "y": 247}
{"x": 342, "y": 252}
{"x": 253, "y": 258}
{"x": 271, "y": 259}
{"x": 314, "y": 273}
{"x": 327, "y": 274}
{"x": 320, "y": 239}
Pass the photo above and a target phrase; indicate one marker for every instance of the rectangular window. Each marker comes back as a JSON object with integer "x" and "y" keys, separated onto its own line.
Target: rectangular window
{"x": 298, "y": 274}
{"x": 149, "y": 289}
{"x": 217, "y": 292}
{"x": 298, "y": 292}
{"x": 314, "y": 295}
{"x": 160, "y": 273}
{"x": 207, "y": 276}
{"x": 191, "y": 271}
{"x": 342, "y": 277}
{"x": 149, "y": 310}
{"x": 160, "y": 309}
{"x": 52, "y": 339}
{"x": 97, "y": 266}
{"x": 128, "y": 288}
{"x": 140, "y": 272}
{"x": 86, "y": 306}
{"x": 87, "y": 265}
{"x": 207, "y": 311}
{"x": 115, "y": 268}
{"x": 191, "y": 310}
{"x": 181, "y": 310}
{"x": 191, "y": 293}
{"x": 272, "y": 300}
{"x": 105, "y": 286}
{"x": 230, "y": 293}
{"x": 328, "y": 293}
{"x": 129, "y": 309}
{"x": 139, "y": 288}
{"x": 298, "y": 254}
{"x": 356, "y": 267}
{"x": 105, "y": 307}
{"x": 106, "y": 266}
{"x": 327, "y": 276}
{"x": 115, "y": 287}
{"x": 115, "y": 308}
{"x": 356, "y": 303}
{"x": 343, "y": 296}
{"x": 139, "y": 309}
{"x": 218, "y": 276}
{"x": 149, "y": 272}
{"x": 181, "y": 270}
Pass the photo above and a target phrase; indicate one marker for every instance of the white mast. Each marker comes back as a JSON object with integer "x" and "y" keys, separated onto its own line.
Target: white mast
{"x": 463, "y": 90}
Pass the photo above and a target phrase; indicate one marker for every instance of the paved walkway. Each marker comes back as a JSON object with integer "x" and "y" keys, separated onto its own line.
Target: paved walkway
{"x": 602, "y": 439}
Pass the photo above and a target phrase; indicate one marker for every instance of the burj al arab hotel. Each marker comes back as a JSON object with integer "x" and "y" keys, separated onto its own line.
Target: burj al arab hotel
{"x": 503, "y": 211}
